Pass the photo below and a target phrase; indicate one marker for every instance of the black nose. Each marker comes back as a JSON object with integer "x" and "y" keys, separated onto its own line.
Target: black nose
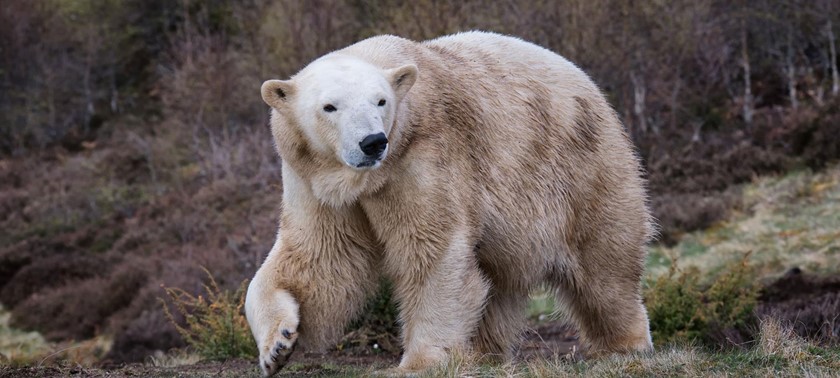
{"x": 374, "y": 144}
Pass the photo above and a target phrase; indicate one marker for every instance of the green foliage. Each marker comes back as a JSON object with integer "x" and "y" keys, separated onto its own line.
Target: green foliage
{"x": 381, "y": 311}
{"x": 682, "y": 308}
{"x": 542, "y": 306}
{"x": 215, "y": 326}
{"x": 732, "y": 297}
{"x": 674, "y": 306}
{"x": 17, "y": 346}
{"x": 375, "y": 330}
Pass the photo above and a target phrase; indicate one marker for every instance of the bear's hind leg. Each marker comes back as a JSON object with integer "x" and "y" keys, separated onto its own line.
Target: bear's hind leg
{"x": 605, "y": 303}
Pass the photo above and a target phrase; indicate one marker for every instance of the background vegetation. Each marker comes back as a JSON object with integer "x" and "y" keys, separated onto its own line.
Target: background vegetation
{"x": 134, "y": 146}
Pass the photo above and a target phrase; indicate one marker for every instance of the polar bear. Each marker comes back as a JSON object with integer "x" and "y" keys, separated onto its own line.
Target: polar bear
{"x": 467, "y": 170}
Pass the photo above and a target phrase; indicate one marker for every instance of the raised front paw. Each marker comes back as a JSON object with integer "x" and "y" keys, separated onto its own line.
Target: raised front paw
{"x": 273, "y": 316}
{"x": 276, "y": 349}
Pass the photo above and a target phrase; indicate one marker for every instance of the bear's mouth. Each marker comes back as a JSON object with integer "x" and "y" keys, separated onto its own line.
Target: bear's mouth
{"x": 372, "y": 163}
{"x": 365, "y": 163}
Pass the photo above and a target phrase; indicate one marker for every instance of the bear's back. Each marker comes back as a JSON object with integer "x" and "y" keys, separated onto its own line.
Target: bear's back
{"x": 509, "y": 56}
{"x": 515, "y": 87}
{"x": 475, "y": 53}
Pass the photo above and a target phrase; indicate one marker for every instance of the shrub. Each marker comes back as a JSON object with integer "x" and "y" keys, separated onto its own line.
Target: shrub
{"x": 677, "y": 213}
{"x": 376, "y": 327}
{"x": 674, "y": 305}
{"x": 215, "y": 326}
{"x": 732, "y": 297}
{"x": 380, "y": 312}
{"x": 78, "y": 309}
{"x": 681, "y": 308}
{"x": 815, "y": 139}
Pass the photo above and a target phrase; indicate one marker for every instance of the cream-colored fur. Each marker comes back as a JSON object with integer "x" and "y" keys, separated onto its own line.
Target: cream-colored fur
{"x": 505, "y": 169}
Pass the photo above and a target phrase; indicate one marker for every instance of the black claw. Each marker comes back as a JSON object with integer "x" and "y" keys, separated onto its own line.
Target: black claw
{"x": 287, "y": 334}
{"x": 278, "y": 358}
{"x": 278, "y": 349}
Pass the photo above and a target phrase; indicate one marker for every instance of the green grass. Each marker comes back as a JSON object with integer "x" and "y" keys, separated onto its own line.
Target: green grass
{"x": 777, "y": 353}
{"x": 22, "y": 348}
{"x": 787, "y": 221}
{"x": 542, "y": 306}
{"x": 19, "y": 347}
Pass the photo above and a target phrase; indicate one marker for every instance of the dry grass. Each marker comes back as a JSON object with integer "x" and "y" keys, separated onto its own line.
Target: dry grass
{"x": 174, "y": 358}
{"x": 19, "y": 347}
{"x": 785, "y": 222}
{"x": 778, "y": 353}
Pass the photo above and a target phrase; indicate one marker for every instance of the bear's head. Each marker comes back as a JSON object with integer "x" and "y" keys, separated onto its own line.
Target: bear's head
{"x": 343, "y": 107}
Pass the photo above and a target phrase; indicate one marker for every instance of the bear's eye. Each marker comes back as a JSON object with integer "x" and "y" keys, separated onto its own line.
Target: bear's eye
{"x": 381, "y": 102}
{"x": 329, "y": 108}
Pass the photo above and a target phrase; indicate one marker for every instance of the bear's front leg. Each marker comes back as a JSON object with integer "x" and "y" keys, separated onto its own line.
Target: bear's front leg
{"x": 316, "y": 278}
{"x": 274, "y": 316}
{"x": 314, "y": 281}
{"x": 441, "y": 294}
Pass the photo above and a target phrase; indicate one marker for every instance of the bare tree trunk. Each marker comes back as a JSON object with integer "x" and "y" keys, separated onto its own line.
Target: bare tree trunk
{"x": 188, "y": 34}
{"x": 820, "y": 96}
{"x": 115, "y": 95}
{"x": 745, "y": 61}
{"x": 89, "y": 107}
{"x": 627, "y": 116}
{"x": 832, "y": 49}
{"x": 50, "y": 79}
{"x": 696, "y": 127}
{"x": 639, "y": 92}
{"x": 790, "y": 70}
{"x": 674, "y": 100}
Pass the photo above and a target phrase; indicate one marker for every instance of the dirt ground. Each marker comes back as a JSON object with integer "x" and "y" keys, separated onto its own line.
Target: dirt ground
{"x": 811, "y": 299}
{"x": 546, "y": 340}
{"x": 811, "y": 304}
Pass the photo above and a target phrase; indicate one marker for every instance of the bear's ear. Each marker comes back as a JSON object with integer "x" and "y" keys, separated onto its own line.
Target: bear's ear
{"x": 276, "y": 93}
{"x": 402, "y": 78}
